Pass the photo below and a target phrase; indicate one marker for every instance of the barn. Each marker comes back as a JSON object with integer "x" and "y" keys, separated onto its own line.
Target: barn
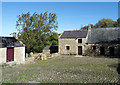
{"x": 11, "y": 49}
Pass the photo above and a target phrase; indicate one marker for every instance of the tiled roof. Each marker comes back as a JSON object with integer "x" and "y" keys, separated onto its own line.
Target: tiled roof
{"x": 74, "y": 34}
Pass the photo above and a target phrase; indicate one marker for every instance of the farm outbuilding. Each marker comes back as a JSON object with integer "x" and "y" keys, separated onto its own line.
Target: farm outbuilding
{"x": 11, "y": 49}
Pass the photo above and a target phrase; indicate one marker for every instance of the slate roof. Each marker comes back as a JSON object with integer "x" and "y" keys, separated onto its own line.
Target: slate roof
{"x": 9, "y": 41}
{"x": 103, "y": 35}
{"x": 46, "y": 48}
{"x": 74, "y": 34}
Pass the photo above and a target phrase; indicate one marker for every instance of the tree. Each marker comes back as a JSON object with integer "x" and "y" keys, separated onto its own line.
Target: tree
{"x": 35, "y": 30}
{"x": 14, "y": 34}
{"x": 92, "y": 26}
{"x": 118, "y": 22}
{"x": 115, "y": 24}
{"x": 105, "y": 23}
{"x": 54, "y": 39}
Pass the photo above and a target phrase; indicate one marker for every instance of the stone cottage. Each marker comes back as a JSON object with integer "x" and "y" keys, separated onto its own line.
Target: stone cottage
{"x": 98, "y": 41}
{"x": 11, "y": 49}
{"x": 73, "y": 42}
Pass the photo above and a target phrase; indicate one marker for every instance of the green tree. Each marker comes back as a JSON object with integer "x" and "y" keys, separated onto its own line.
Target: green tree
{"x": 115, "y": 24}
{"x": 54, "y": 39}
{"x": 35, "y": 30}
{"x": 14, "y": 34}
{"x": 118, "y": 22}
{"x": 105, "y": 23}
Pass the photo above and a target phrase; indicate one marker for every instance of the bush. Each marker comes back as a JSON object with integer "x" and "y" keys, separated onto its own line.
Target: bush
{"x": 90, "y": 52}
{"x": 84, "y": 54}
{"x": 72, "y": 54}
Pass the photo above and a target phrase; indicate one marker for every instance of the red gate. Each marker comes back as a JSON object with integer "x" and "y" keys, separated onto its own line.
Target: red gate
{"x": 10, "y": 54}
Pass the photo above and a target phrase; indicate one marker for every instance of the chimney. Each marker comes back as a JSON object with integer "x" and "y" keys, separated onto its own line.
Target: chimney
{"x": 89, "y": 27}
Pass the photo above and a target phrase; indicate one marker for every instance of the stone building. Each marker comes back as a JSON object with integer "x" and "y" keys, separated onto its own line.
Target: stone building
{"x": 73, "y": 42}
{"x": 97, "y": 41}
{"x": 104, "y": 41}
{"x": 11, "y": 49}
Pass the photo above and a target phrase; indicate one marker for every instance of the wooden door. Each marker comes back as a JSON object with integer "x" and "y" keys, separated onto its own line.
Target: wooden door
{"x": 10, "y": 54}
{"x": 79, "y": 50}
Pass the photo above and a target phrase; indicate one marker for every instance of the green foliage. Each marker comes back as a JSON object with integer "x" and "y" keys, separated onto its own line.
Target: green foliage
{"x": 104, "y": 23}
{"x": 37, "y": 30}
{"x": 84, "y": 54}
{"x": 118, "y": 22}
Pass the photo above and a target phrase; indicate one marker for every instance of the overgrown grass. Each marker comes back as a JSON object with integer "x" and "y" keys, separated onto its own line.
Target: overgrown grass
{"x": 65, "y": 69}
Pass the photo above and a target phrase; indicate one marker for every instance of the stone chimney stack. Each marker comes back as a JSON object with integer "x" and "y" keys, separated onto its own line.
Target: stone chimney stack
{"x": 89, "y": 27}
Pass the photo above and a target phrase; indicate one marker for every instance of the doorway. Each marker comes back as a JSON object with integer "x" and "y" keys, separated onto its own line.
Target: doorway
{"x": 10, "y": 54}
{"x": 111, "y": 51}
{"x": 102, "y": 50}
{"x": 79, "y": 50}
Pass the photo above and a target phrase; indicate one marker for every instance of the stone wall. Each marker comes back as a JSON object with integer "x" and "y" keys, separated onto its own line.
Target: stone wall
{"x": 46, "y": 52}
{"x": 2, "y": 55}
{"x": 87, "y": 49}
{"x": 73, "y": 43}
{"x": 19, "y": 55}
{"x": 90, "y": 51}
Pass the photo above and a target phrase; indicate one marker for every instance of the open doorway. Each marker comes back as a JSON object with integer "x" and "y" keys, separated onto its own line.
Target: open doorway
{"x": 102, "y": 50}
{"x": 111, "y": 51}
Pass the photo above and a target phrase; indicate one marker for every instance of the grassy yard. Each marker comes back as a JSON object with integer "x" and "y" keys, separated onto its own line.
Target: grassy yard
{"x": 65, "y": 69}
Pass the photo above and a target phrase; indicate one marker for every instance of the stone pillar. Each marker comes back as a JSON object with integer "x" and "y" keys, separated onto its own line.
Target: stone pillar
{"x": 107, "y": 51}
{"x": 116, "y": 50}
{"x": 26, "y": 55}
{"x": 43, "y": 57}
{"x": 31, "y": 54}
{"x": 98, "y": 50}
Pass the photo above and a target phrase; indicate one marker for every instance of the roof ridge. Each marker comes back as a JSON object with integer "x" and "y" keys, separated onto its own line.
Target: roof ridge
{"x": 74, "y": 34}
{"x": 6, "y": 35}
{"x": 74, "y": 30}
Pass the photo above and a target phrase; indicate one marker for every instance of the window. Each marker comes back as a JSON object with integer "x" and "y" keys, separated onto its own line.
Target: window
{"x": 79, "y": 40}
{"x": 68, "y": 47}
{"x": 94, "y": 47}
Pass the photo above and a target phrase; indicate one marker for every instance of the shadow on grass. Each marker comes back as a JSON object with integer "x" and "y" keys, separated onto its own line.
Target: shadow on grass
{"x": 118, "y": 70}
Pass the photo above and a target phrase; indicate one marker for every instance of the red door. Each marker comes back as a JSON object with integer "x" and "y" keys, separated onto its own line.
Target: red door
{"x": 79, "y": 50}
{"x": 10, "y": 54}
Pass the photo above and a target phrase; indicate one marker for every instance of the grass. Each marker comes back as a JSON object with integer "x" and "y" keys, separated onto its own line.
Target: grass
{"x": 65, "y": 69}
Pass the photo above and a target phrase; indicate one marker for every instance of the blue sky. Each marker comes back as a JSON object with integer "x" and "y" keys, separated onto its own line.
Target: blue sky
{"x": 70, "y": 15}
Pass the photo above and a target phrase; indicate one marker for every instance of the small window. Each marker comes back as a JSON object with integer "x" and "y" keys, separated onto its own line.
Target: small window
{"x": 94, "y": 47}
{"x": 68, "y": 47}
{"x": 79, "y": 40}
